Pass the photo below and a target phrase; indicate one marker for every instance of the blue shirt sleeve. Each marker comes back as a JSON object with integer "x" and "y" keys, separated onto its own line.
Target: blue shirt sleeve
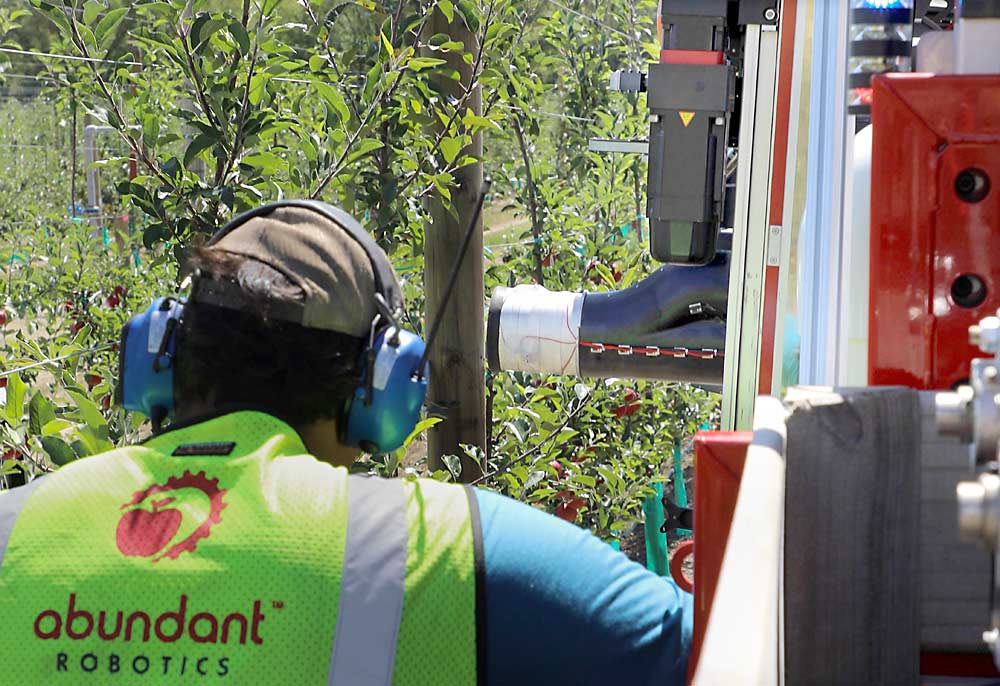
{"x": 563, "y": 607}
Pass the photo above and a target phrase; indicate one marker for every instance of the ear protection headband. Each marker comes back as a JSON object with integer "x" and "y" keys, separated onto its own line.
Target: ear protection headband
{"x": 386, "y": 404}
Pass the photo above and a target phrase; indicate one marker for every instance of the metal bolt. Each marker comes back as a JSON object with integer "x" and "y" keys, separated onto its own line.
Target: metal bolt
{"x": 987, "y": 334}
{"x": 952, "y": 412}
{"x": 991, "y": 637}
{"x": 720, "y": 121}
{"x": 975, "y": 335}
{"x": 990, "y": 373}
{"x": 971, "y": 508}
{"x": 770, "y": 14}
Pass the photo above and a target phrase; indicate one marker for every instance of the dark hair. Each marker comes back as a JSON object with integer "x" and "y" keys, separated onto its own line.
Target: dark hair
{"x": 242, "y": 358}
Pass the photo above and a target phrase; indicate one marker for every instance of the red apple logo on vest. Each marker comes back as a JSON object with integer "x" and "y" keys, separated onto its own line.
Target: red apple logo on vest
{"x": 168, "y": 519}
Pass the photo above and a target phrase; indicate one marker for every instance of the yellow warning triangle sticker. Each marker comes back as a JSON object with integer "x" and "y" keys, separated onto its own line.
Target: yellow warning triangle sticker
{"x": 686, "y": 118}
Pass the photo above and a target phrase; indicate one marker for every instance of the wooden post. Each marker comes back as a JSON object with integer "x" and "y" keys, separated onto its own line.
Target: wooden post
{"x": 457, "y": 380}
{"x": 852, "y": 537}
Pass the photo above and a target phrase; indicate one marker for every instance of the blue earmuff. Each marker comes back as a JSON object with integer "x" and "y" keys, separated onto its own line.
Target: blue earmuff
{"x": 384, "y": 408}
{"x": 147, "y": 357}
{"x": 386, "y": 404}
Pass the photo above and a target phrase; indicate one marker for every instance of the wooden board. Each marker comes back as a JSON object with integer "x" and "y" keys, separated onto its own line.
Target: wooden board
{"x": 852, "y": 537}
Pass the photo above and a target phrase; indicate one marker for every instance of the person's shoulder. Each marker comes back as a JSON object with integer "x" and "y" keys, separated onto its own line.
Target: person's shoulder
{"x": 99, "y": 461}
{"x": 544, "y": 574}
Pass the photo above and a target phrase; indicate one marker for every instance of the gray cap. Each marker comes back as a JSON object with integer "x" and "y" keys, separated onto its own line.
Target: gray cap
{"x": 321, "y": 257}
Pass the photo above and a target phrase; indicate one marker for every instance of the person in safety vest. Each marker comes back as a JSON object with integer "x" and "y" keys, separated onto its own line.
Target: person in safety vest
{"x": 234, "y": 547}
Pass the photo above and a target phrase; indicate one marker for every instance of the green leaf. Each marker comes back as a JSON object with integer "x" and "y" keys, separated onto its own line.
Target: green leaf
{"x": 387, "y": 45}
{"x": 421, "y": 63}
{"x": 334, "y": 98}
{"x": 267, "y": 162}
{"x": 105, "y": 28}
{"x": 584, "y": 480}
{"x": 447, "y": 9}
{"x": 421, "y": 427}
{"x": 14, "y": 409}
{"x": 87, "y": 35}
{"x": 150, "y": 129}
{"x": 55, "y": 426}
{"x": 40, "y": 413}
{"x": 241, "y": 36}
{"x": 203, "y": 28}
{"x": 469, "y": 13}
{"x": 258, "y": 87}
{"x": 201, "y": 142}
{"x": 90, "y": 441}
{"x": 89, "y": 411}
{"x": 450, "y": 147}
{"x": 58, "y": 450}
{"x": 565, "y": 435}
{"x": 476, "y": 122}
{"x": 362, "y": 148}
{"x": 316, "y": 63}
{"x": 90, "y": 11}
{"x": 55, "y": 14}
{"x": 453, "y": 463}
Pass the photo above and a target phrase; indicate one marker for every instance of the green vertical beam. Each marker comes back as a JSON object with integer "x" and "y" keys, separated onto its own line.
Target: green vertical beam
{"x": 656, "y": 541}
{"x": 680, "y": 488}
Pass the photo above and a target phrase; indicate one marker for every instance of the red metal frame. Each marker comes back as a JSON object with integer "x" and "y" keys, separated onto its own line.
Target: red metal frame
{"x": 718, "y": 468}
{"x": 779, "y": 163}
{"x": 928, "y": 129}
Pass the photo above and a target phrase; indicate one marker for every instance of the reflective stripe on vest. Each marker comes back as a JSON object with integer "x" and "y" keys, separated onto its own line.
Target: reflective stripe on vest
{"x": 11, "y": 503}
{"x": 373, "y": 584}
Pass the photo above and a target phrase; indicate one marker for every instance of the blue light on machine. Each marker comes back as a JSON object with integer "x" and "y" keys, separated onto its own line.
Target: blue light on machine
{"x": 884, "y": 4}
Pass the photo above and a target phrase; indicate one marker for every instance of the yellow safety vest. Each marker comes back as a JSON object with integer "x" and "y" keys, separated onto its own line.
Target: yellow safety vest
{"x": 222, "y": 553}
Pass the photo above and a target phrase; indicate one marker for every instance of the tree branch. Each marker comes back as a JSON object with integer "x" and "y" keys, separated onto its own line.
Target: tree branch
{"x": 536, "y": 229}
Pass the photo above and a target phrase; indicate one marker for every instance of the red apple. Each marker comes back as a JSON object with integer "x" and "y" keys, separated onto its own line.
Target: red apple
{"x": 77, "y": 326}
{"x": 142, "y": 533}
{"x": 3, "y": 317}
{"x": 630, "y": 406}
{"x": 570, "y": 510}
{"x": 94, "y": 379}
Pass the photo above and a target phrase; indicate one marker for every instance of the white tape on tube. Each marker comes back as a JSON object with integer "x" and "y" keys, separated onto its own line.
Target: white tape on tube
{"x": 540, "y": 331}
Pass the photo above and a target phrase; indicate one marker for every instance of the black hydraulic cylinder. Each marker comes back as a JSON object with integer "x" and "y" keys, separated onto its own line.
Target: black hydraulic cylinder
{"x": 675, "y": 308}
{"x": 675, "y": 319}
